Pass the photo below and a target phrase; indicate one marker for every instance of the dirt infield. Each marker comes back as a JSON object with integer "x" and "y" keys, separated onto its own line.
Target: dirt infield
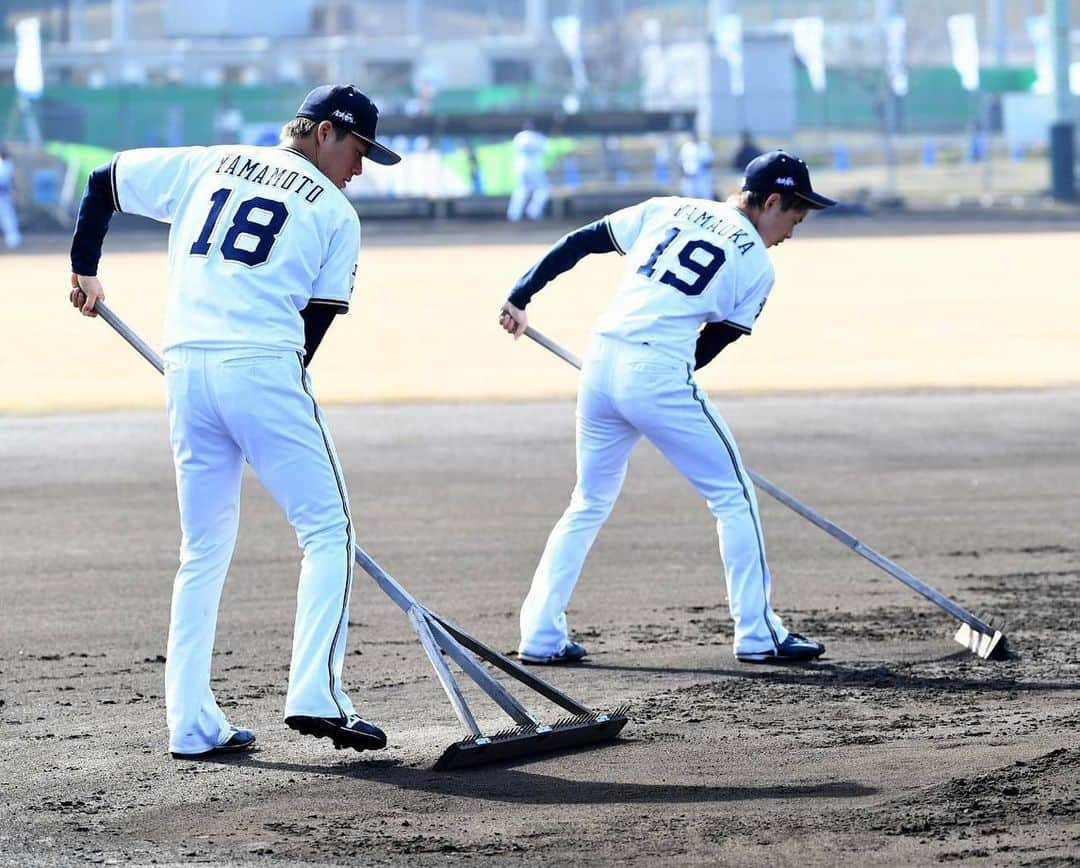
{"x": 917, "y": 381}
{"x": 897, "y": 748}
{"x": 859, "y": 304}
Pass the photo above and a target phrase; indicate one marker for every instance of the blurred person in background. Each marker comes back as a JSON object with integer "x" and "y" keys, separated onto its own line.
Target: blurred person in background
{"x": 531, "y": 187}
{"x": 695, "y": 162}
{"x": 9, "y": 221}
{"x": 745, "y": 152}
{"x": 228, "y": 122}
{"x": 476, "y": 177}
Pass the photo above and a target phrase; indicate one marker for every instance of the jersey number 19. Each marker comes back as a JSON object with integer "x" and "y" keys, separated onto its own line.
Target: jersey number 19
{"x": 703, "y": 271}
{"x": 271, "y": 216}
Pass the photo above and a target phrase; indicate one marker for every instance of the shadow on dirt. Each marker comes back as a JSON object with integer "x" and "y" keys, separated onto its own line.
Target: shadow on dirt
{"x": 832, "y": 675}
{"x": 504, "y": 783}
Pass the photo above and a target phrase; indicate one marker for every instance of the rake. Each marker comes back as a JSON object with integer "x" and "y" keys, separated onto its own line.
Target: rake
{"x": 975, "y": 634}
{"x": 440, "y": 638}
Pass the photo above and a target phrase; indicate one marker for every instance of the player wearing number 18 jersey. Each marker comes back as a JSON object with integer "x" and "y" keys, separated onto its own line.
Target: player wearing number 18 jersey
{"x": 263, "y": 248}
{"x": 696, "y": 278}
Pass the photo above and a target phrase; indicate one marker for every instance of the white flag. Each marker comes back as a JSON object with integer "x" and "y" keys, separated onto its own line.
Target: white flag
{"x": 809, "y": 38}
{"x": 1038, "y": 30}
{"x": 29, "y": 79}
{"x": 896, "y": 49}
{"x": 567, "y": 31}
{"x": 653, "y": 67}
{"x": 728, "y": 36}
{"x": 965, "y": 49}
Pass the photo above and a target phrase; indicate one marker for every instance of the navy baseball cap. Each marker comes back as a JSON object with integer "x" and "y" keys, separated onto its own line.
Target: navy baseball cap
{"x": 781, "y": 172}
{"x": 346, "y": 107}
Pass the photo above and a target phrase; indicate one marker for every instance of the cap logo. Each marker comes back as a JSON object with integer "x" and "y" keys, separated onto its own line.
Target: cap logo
{"x": 786, "y": 181}
{"x": 344, "y": 117}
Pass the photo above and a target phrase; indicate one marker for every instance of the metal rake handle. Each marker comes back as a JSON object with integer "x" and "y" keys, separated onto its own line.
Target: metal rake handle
{"x": 837, "y": 533}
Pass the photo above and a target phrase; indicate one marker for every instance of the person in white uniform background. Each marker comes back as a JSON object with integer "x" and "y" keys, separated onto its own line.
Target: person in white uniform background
{"x": 531, "y": 188}
{"x": 9, "y": 221}
{"x": 262, "y": 256}
{"x": 695, "y": 165}
{"x": 697, "y": 276}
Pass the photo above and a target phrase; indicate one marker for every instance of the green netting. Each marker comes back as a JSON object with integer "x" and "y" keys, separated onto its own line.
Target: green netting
{"x": 496, "y": 162}
{"x": 935, "y": 99}
{"x": 83, "y": 158}
{"x": 128, "y": 116}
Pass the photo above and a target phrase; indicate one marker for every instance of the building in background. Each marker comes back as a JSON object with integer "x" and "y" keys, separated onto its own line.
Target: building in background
{"x": 461, "y": 76}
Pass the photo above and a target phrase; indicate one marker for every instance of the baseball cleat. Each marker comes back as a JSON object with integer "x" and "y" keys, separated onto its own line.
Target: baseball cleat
{"x": 344, "y": 732}
{"x": 572, "y": 652}
{"x": 794, "y": 649}
{"x": 241, "y": 739}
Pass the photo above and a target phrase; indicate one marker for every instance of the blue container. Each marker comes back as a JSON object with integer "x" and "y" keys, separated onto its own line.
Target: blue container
{"x": 45, "y": 186}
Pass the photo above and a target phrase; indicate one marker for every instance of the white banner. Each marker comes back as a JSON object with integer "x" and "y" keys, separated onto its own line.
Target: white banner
{"x": 729, "y": 45}
{"x": 29, "y": 78}
{"x": 895, "y": 53}
{"x": 567, "y": 31}
{"x": 652, "y": 64}
{"x": 965, "y": 49}
{"x": 1038, "y": 30}
{"x": 809, "y": 39}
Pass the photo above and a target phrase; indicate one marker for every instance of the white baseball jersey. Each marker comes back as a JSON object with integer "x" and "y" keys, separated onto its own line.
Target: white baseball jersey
{"x": 689, "y": 261}
{"x": 257, "y": 234}
{"x": 529, "y": 149}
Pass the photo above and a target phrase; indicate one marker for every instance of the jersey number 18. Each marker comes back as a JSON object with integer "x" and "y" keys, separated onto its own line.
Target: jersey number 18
{"x": 264, "y": 230}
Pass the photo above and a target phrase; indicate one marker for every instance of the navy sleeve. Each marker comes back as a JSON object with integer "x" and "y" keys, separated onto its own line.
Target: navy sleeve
{"x": 317, "y": 318}
{"x": 567, "y": 252}
{"x": 95, "y": 212}
{"x": 713, "y": 338}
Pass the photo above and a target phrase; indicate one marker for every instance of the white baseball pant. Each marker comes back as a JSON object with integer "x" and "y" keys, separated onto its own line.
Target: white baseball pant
{"x": 9, "y": 222}
{"x": 227, "y": 407}
{"x": 626, "y": 391}
{"x": 529, "y": 197}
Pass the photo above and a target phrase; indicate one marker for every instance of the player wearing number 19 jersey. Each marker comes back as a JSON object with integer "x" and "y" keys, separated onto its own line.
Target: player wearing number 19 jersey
{"x": 263, "y": 248}
{"x": 697, "y": 276}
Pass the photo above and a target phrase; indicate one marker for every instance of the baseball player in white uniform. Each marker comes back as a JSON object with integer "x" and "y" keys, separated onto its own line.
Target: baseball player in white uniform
{"x": 262, "y": 256}
{"x": 696, "y": 278}
{"x": 695, "y": 161}
{"x": 9, "y": 221}
{"x": 531, "y": 188}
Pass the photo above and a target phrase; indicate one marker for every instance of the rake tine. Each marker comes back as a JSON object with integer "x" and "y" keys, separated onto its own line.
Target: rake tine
{"x": 519, "y": 742}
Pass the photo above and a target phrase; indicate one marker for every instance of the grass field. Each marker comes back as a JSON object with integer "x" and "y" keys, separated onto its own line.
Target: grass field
{"x": 856, "y": 306}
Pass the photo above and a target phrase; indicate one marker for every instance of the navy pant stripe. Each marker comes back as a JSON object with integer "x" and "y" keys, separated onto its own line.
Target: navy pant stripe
{"x": 746, "y": 493}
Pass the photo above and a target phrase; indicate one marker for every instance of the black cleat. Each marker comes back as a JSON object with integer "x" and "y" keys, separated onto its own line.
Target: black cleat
{"x": 240, "y": 740}
{"x": 572, "y": 652}
{"x": 794, "y": 649}
{"x": 344, "y": 732}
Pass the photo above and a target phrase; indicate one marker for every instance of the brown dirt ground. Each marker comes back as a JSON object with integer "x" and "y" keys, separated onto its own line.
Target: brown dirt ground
{"x": 859, "y": 303}
{"x": 897, "y": 748}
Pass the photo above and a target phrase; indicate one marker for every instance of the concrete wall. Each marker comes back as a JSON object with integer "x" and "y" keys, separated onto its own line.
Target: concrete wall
{"x": 768, "y": 107}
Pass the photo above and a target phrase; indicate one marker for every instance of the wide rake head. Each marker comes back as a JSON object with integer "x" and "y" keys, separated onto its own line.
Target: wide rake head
{"x": 988, "y": 643}
{"x": 527, "y": 741}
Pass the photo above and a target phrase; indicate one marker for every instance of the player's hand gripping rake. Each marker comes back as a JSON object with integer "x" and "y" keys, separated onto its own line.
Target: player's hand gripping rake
{"x": 438, "y": 636}
{"x": 974, "y": 634}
